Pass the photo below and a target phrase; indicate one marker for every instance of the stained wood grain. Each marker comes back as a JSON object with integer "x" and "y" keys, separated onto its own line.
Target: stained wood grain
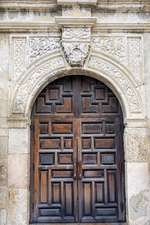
{"x": 77, "y": 158}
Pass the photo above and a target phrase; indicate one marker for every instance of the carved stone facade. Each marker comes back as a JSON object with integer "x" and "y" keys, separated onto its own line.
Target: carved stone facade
{"x": 76, "y": 44}
{"x": 43, "y": 40}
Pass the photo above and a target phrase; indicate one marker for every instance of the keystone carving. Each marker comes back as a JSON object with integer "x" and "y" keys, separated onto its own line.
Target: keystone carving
{"x": 76, "y": 44}
{"x": 76, "y": 23}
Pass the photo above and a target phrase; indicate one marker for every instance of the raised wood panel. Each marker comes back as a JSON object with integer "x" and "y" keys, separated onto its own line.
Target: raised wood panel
{"x": 77, "y": 171}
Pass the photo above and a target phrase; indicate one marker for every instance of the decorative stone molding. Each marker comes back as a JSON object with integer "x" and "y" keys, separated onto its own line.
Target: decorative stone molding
{"x": 76, "y": 11}
{"x": 27, "y": 49}
{"x": 126, "y": 49}
{"x": 76, "y": 44}
{"x": 76, "y": 33}
{"x": 33, "y": 79}
{"x": 135, "y": 57}
{"x": 137, "y": 145}
{"x": 40, "y": 5}
{"x": 4, "y": 51}
{"x": 18, "y": 121}
{"x": 70, "y": 2}
{"x": 113, "y": 45}
{"x": 122, "y": 79}
{"x": 42, "y": 45}
{"x": 19, "y": 52}
{"x": 49, "y": 67}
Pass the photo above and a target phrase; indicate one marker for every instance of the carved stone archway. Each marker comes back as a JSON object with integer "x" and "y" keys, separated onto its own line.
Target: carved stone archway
{"x": 49, "y": 68}
{"x": 114, "y": 75}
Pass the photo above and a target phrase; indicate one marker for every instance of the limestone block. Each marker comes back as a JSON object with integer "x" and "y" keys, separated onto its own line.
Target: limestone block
{"x": 3, "y": 86}
{"x": 137, "y": 145}
{"x": 3, "y": 216}
{"x": 3, "y": 197}
{"x": 3, "y": 122}
{"x": 3, "y": 144}
{"x": 4, "y": 53}
{"x": 70, "y": 2}
{"x": 3, "y": 132}
{"x": 18, "y": 207}
{"x": 19, "y": 141}
{"x": 137, "y": 177}
{"x": 138, "y": 193}
{"x": 147, "y": 72}
{"x": 3, "y": 170}
{"x": 3, "y": 107}
{"x": 18, "y": 170}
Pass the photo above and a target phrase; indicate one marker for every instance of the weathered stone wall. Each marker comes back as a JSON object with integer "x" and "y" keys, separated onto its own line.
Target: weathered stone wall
{"x": 33, "y": 52}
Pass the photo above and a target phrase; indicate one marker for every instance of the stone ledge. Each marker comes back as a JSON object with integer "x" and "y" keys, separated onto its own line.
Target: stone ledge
{"x": 29, "y": 4}
{"x": 14, "y": 27}
{"x": 17, "y": 120}
{"x": 70, "y": 2}
{"x": 75, "y": 21}
{"x": 46, "y": 5}
{"x": 80, "y": 224}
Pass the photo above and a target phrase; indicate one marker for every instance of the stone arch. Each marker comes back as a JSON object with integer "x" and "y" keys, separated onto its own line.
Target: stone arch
{"x": 100, "y": 66}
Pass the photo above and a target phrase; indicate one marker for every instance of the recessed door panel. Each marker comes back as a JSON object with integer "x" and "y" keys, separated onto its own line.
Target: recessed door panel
{"x": 77, "y": 171}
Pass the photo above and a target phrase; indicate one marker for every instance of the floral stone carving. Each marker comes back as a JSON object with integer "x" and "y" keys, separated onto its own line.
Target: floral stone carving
{"x": 34, "y": 80}
{"x": 76, "y": 44}
{"x": 118, "y": 76}
{"x": 39, "y": 46}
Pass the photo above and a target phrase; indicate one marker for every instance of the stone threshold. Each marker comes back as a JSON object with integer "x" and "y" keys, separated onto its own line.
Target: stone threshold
{"x": 78, "y": 224}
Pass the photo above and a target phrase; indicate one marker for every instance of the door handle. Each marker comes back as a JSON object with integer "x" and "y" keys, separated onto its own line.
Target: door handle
{"x": 80, "y": 170}
{"x": 75, "y": 170}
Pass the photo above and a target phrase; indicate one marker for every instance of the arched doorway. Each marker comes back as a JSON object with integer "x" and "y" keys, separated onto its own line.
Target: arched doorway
{"x": 77, "y": 157}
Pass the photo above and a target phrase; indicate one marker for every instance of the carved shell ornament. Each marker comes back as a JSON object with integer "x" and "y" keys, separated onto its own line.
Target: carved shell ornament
{"x": 76, "y": 53}
{"x": 76, "y": 44}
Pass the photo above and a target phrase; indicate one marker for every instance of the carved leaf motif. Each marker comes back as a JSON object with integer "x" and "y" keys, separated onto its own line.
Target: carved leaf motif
{"x": 135, "y": 57}
{"x": 39, "y": 46}
{"x": 34, "y": 81}
{"x": 118, "y": 76}
{"x": 115, "y": 46}
{"x": 127, "y": 50}
{"x": 19, "y": 56}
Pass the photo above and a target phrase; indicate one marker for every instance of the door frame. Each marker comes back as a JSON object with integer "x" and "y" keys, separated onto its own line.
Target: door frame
{"x": 135, "y": 130}
{"x": 121, "y": 145}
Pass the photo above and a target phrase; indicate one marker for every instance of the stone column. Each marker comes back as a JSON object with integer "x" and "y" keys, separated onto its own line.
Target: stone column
{"x": 18, "y": 173}
{"x": 3, "y": 126}
{"x": 137, "y": 145}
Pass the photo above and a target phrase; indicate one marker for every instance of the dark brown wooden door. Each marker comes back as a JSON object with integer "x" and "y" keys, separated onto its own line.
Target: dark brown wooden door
{"x": 77, "y": 158}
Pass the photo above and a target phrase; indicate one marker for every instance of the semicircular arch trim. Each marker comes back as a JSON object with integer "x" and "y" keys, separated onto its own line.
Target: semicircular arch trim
{"x": 54, "y": 66}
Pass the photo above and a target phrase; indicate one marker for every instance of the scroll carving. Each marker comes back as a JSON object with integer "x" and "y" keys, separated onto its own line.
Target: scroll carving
{"x": 39, "y": 46}
{"x": 126, "y": 49}
{"x": 122, "y": 80}
{"x": 35, "y": 81}
{"x": 26, "y": 50}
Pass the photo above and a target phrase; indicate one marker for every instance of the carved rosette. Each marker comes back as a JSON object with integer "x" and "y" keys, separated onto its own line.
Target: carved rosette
{"x": 76, "y": 44}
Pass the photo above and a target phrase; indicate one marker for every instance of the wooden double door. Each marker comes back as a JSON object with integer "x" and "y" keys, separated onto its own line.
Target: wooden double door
{"x": 77, "y": 159}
